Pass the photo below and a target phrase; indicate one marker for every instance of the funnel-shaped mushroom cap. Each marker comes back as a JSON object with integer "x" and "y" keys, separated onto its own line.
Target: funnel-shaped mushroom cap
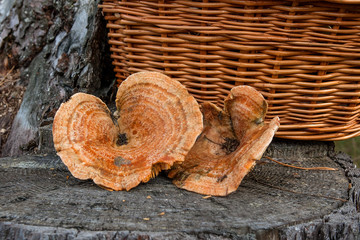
{"x": 158, "y": 124}
{"x": 227, "y": 149}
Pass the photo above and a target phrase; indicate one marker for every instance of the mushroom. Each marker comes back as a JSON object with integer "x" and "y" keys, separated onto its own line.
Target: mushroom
{"x": 229, "y": 145}
{"x": 158, "y": 124}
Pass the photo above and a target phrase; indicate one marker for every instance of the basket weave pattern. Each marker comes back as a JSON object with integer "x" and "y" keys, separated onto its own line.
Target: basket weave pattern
{"x": 303, "y": 56}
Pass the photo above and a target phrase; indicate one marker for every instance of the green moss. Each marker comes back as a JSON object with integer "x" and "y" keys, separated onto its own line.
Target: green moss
{"x": 350, "y": 146}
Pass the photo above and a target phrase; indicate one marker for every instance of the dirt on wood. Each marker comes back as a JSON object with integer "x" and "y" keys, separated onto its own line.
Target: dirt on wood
{"x": 11, "y": 94}
{"x": 41, "y": 199}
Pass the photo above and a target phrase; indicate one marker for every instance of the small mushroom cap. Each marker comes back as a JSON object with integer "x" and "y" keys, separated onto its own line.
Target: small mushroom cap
{"x": 227, "y": 149}
{"x": 158, "y": 124}
{"x": 247, "y": 109}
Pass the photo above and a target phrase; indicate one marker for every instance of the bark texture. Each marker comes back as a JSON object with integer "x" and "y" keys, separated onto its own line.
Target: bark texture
{"x": 60, "y": 48}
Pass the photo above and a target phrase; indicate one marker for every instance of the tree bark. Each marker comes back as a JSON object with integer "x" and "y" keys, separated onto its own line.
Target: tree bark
{"x": 61, "y": 48}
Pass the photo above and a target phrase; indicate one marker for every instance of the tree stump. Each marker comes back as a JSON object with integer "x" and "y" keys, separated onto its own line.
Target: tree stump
{"x": 40, "y": 199}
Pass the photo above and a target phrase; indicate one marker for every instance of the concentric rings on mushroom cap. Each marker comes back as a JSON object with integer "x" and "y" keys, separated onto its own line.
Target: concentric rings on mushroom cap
{"x": 159, "y": 121}
{"x": 227, "y": 149}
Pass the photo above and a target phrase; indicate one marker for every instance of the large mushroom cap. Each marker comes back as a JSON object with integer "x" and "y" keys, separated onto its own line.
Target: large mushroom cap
{"x": 158, "y": 124}
{"x": 227, "y": 149}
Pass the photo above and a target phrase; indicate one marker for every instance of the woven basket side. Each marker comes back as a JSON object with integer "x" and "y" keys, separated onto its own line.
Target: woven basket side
{"x": 302, "y": 55}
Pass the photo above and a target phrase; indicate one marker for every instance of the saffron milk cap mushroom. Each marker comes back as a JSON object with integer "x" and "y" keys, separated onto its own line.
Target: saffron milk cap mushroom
{"x": 158, "y": 124}
{"x": 229, "y": 145}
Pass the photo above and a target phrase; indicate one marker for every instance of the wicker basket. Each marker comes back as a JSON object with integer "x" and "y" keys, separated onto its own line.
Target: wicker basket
{"x": 303, "y": 56}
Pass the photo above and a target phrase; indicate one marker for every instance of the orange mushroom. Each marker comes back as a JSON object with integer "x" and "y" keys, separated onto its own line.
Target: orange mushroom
{"x": 229, "y": 145}
{"x": 158, "y": 124}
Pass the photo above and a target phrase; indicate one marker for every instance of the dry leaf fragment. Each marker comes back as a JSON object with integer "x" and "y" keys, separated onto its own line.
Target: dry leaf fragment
{"x": 227, "y": 149}
{"x": 158, "y": 124}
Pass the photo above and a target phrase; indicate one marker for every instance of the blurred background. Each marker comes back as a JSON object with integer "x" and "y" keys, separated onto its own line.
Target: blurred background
{"x": 351, "y": 147}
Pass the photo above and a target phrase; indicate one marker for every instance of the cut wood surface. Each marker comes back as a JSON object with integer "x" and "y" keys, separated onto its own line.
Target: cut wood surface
{"x": 39, "y": 198}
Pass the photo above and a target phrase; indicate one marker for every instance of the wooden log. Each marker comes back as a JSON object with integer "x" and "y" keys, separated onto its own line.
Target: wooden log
{"x": 40, "y": 199}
